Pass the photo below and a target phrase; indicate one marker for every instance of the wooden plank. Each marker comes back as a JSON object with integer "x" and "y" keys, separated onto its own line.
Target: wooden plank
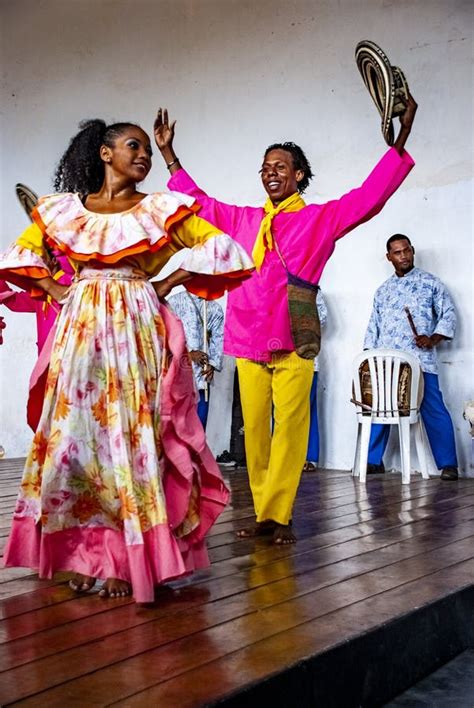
{"x": 260, "y": 553}
{"x": 216, "y": 680}
{"x": 359, "y": 520}
{"x": 359, "y": 547}
{"x": 332, "y": 509}
{"x": 154, "y": 666}
{"x": 225, "y": 606}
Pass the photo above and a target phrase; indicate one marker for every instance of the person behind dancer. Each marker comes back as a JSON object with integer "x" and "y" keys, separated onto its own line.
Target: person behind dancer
{"x": 206, "y": 357}
{"x": 434, "y": 319}
{"x": 290, "y": 243}
{"x": 312, "y": 455}
{"x": 110, "y": 487}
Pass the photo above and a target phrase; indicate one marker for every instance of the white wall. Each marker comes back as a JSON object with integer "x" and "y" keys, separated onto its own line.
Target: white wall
{"x": 238, "y": 75}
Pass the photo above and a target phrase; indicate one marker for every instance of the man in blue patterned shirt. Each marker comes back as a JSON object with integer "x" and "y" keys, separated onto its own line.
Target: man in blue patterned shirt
{"x": 433, "y": 320}
{"x": 190, "y": 310}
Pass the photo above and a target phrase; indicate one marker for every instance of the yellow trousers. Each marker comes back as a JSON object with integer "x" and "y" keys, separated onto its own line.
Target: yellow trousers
{"x": 275, "y": 461}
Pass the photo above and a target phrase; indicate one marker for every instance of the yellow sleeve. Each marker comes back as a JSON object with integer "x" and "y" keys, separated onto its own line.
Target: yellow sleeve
{"x": 217, "y": 262}
{"x": 32, "y": 240}
{"x": 192, "y": 231}
{"x": 26, "y": 260}
{"x": 187, "y": 233}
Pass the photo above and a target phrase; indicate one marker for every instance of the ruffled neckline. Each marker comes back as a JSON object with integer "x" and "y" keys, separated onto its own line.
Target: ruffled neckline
{"x": 87, "y": 235}
{"x": 99, "y": 213}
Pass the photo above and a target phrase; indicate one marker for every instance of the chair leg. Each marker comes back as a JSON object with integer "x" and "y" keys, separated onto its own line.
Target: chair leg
{"x": 421, "y": 449}
{"x": 404, "y": 433}
{"x": 364, "y": 447}
{"x": 356, "y": 466}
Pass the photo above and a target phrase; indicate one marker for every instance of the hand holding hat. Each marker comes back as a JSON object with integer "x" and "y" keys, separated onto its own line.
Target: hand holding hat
{"x": 408, "y": 115}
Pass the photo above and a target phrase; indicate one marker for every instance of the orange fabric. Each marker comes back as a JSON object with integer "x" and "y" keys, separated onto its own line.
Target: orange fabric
{"x": 37, "y": 293}
{"x": 180, "y": 215}
{"x": 140, "y": 247}
{"x": 35, "y": 272}
{"x": 23, "y": 277}
{"x": 211, "y": 287}
{"x": 38, "y": 220}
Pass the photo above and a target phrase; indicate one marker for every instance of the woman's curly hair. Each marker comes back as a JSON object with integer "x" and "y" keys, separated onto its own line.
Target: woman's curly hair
{"x": 300, "y": 161}
{"x": 81, "y": 169}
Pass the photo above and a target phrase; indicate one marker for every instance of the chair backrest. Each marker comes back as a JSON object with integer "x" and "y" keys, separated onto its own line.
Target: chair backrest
{"x": 387, "y": 374}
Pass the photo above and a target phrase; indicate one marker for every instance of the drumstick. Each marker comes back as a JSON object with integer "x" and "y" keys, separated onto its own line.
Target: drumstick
{"x": 410, "y": 321}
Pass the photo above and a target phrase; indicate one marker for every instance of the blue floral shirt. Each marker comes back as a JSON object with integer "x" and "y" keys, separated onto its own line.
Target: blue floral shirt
{"x": 431, "y": 308}
{"x": 189, "y": 308}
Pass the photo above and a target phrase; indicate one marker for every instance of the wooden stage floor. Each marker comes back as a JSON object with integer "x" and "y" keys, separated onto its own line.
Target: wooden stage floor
{"x": 365, "y": 556}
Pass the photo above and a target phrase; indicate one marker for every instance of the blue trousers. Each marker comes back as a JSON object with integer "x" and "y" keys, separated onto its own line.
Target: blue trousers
{"x": 313, "y": 439}
{"x": 203, "y": 408}
{"x": 438, "y": 424}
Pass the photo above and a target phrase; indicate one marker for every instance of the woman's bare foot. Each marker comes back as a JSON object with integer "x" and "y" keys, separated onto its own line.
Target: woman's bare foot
{"x": 283, "y": 535}
{"x": 82, "y": 583}
{"x": 260, "y": 528}
{"x": 113, "y": 587}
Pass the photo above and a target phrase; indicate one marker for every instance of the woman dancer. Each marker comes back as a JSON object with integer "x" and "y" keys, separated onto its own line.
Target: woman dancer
{"x": 119, "y": 483}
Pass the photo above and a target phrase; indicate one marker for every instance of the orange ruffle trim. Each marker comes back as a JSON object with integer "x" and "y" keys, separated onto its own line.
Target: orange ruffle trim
{"x": 140, "y": 247}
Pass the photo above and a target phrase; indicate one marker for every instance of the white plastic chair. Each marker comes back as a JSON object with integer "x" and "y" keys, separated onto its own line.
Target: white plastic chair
{"x": 384, "y": 368}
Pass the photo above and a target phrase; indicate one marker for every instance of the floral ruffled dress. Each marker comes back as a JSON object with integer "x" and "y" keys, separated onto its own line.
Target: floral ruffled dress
{"x": 119, "y": 481}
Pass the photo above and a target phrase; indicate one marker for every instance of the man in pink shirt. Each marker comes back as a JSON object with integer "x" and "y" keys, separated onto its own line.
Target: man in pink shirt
{"x": 290, "y": 242}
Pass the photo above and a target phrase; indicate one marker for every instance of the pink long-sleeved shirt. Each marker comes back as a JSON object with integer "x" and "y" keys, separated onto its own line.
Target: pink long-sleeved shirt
{"x": 257, "y": 322}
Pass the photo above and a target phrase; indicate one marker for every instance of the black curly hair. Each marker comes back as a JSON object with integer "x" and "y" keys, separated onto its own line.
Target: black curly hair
{"x": 300, "y": 161}
{"x": 81, "y": 169}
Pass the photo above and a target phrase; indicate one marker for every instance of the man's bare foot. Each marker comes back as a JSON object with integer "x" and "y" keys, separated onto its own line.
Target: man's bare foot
{"x": 283, "y": 535}
{"x": 113, "y": 587}
{"x": 260, "y": 528}
{"x": 82, "y": 583}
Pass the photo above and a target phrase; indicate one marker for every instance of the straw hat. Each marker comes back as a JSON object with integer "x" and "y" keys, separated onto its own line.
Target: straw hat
{"x": 28, "y": 199}
{"x": 386, "y": 84}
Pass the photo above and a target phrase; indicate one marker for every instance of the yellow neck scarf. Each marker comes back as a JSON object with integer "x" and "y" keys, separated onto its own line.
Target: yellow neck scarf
{"x": 264, "y": 238}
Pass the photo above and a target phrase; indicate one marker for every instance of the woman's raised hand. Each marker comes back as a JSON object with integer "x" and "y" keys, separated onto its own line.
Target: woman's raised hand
{"x": 164, "y": 132}
{"x": 164, "y": 135}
